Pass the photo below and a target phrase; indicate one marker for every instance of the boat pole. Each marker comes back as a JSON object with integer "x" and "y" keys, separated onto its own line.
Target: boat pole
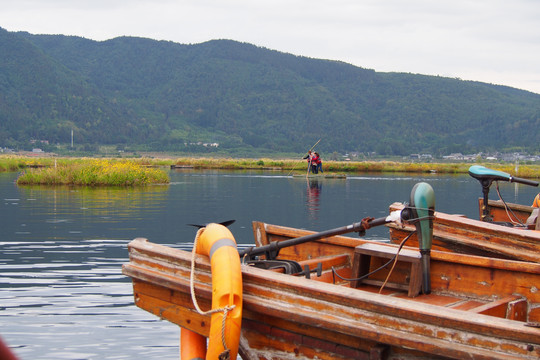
{"x": 271, "y": 250}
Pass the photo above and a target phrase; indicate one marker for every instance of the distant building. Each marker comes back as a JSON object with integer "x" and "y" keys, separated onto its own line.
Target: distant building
{"x": 200, "y": 143}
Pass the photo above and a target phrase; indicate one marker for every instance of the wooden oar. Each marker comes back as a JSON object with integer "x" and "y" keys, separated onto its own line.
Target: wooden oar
{"x": 271, "y": 250}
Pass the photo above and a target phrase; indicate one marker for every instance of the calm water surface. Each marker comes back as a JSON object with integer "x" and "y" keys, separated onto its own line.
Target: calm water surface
{"x": 62, "y": 293}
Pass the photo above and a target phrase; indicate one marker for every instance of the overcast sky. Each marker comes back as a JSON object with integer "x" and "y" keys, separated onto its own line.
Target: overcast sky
{"x": 493, "y": 41}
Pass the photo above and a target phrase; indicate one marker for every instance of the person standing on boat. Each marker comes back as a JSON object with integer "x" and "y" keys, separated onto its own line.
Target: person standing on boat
{"x": 315, "y": 159}
{"x": 318, "y": 163}
{"x": 309, "y": 158}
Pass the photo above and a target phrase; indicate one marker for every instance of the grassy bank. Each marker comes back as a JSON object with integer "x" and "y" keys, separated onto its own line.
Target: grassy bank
{"x": 91, "y": 172}
{"x": 16, "y": 163}
{"x": 526, "y": 171}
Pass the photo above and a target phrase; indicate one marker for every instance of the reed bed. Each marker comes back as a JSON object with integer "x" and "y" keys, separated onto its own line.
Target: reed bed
{"x": 13, "y": 163}
{"x": 91, "y": 172}
{"x": 526, "y": 171}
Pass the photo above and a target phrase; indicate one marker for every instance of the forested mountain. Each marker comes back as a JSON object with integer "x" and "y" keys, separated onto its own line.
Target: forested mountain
{"x": 158, "y": 95}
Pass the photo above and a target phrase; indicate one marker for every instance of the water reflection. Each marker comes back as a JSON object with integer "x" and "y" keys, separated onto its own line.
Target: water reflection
{"x": 68, "y": 300}
{"x": 97, "y": 201}
{"x": 314, "y": 188}
{"x": 62, "y": 294}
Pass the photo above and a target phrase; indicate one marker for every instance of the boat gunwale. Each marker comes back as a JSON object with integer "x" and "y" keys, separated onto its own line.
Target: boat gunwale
{"x": 486, "y": 227}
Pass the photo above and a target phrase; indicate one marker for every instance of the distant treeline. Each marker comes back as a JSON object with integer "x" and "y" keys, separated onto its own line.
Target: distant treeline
{"x": 149, "y": 95}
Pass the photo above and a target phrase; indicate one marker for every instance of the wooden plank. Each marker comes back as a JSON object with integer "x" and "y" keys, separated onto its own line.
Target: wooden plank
{"x": 363, "y": 254}
{"x": 361, "y": 264}
{"x": 496, "y": 308}
{"x": 373, "y": 249}
{"x": 517, "y": 310}
{"x": 327, "y": 262}
{"x": 466, "y": 305}
{"x": 180, "y": 315}
{"x": 259, "y": 233}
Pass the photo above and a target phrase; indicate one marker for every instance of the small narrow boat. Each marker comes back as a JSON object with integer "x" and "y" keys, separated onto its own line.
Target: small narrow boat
{"x": 308, "y": 295}
{"x": 321, "y": 176}
{"x": 503, "y": 230}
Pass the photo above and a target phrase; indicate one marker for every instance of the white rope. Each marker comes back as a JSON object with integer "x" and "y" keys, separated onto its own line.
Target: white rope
{"x": 225, "y": 310}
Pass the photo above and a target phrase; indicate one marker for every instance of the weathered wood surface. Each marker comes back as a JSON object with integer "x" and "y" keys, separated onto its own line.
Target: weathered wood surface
{"x": 460, "y": 234}
{"x": 476, "y": 277}
{"x": 287, "y": 317}
{"x": 499, "y": 212}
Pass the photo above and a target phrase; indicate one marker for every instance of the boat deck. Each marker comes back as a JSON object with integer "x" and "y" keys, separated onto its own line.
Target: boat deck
{"x": 512, "y": 307}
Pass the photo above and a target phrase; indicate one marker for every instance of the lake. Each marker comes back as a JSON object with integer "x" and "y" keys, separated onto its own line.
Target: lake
{"x": 62, "y": 293}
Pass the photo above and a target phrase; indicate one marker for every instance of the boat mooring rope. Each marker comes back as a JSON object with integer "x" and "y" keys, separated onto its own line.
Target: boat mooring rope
{"x": 395, "y": 261}
{"x": 225, "y": 355}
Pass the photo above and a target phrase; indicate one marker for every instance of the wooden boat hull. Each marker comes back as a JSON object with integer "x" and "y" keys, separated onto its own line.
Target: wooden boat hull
{"x": 291, "y": 317}
{"x": 460, "y": 234}
{"x": 511, "y": 213}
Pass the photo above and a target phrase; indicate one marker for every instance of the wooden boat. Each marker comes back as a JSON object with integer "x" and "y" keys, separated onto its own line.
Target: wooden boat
{"x": 303, "y": 299}
{"x": 503, "y": 233}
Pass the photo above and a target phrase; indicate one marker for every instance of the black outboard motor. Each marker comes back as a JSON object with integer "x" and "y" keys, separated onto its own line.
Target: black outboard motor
{"x": 486, "y": 177}
{"x": 422, "y": 208}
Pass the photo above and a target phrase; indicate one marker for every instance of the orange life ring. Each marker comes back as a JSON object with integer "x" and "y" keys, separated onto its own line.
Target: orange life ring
{"x": 217, "y": 242}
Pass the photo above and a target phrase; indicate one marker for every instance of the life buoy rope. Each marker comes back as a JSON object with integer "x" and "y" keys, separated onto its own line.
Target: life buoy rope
{"x": 219, "y": 245}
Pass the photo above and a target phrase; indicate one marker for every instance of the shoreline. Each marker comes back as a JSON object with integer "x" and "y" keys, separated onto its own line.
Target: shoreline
{"x": 12, "y": 163}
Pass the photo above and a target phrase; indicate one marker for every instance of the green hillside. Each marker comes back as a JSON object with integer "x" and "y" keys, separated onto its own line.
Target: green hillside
{"x": 157, "y": 95}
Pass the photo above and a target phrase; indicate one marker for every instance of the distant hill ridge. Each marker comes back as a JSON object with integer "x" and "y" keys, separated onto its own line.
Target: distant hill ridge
{"x": 160, "y": 95}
